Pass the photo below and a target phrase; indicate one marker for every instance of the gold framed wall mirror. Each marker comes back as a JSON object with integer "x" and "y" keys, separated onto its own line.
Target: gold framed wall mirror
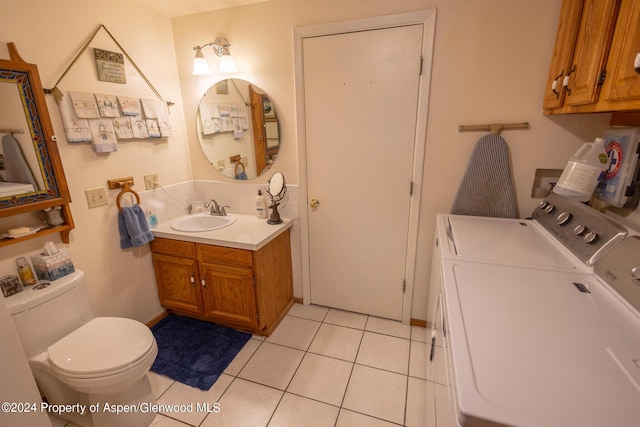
{"x": 238, "y": 129}
{"x": 31, "y": 174}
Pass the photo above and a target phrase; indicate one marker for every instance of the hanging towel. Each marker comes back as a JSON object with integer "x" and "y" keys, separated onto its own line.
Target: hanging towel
{"x": 156, "y": 109}
{"x": 75, "y": 129}
{"x": 84, "y": 105}
{"x": 486, "y": 188}
{"x": 17, "y": 169}
{"x": 133, "y": 227}
{"x": 104, "y": 135}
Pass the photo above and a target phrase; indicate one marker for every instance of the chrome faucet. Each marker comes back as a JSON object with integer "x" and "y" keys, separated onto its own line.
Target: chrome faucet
{"x": 216, "y": 209}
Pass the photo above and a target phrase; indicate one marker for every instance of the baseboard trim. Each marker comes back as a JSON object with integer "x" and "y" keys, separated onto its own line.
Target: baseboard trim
{"x": 158, "y": 318}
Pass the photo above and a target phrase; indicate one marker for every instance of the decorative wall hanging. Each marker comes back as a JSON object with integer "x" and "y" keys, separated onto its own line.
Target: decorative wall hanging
{"x": 57, "y": 93}
{"x": 103, "y": 119}
{"x": 110, "y": 66}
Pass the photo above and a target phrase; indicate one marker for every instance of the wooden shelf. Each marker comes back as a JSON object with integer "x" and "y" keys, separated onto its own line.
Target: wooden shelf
{"x": 63, "y": 230}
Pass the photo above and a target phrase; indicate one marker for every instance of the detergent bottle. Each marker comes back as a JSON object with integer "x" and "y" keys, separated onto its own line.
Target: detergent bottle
{"x": 583, "y": 171}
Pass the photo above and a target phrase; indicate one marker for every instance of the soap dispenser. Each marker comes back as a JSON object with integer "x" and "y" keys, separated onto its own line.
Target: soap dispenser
{"x": 261, "y": 206}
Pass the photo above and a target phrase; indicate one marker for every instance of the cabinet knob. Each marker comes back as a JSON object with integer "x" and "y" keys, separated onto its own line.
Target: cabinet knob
{"x": 636, "y": 63}
{"x": 204, "y": 284}
{"x": 193, "y": 280}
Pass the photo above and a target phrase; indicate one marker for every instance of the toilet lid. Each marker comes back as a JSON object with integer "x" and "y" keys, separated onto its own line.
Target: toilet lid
{"x": 102, "y": 345}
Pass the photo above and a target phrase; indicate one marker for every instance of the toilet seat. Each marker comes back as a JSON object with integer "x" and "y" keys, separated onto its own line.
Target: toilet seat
{"x": 102, "y": 347}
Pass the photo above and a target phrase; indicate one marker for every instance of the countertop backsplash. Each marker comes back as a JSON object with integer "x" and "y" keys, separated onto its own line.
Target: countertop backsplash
{"x": 171, "y": 201}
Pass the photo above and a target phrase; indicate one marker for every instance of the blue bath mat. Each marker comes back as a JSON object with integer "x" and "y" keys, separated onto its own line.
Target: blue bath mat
{"x": 195, "y": 352}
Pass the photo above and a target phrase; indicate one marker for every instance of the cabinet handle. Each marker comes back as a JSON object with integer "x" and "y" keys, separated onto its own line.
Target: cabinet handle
{"x": 636, "y": 63}
{"x": 565, "y": 81}
{"x": 554, "y": 85}
{"x": 204, "y": 284}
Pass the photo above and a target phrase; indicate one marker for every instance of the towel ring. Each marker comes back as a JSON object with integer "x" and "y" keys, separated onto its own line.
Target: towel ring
{"x": 238, "y": 164}
{"x": 126, "y": 189}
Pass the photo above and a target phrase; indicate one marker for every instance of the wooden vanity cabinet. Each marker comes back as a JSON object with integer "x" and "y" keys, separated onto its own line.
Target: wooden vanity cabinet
{"x": 244, "y": 289}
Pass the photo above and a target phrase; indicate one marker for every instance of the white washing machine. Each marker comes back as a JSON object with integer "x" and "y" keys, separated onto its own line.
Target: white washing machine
{"x": 507, "y": 325}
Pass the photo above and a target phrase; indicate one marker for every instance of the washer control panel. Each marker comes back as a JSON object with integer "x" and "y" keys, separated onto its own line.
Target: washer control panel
{"x": 587, "y": 233}
{"x": 620, "y": 268}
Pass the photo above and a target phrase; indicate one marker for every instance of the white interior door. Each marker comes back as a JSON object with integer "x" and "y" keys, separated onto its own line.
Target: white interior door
{"x": 361, "y": 94}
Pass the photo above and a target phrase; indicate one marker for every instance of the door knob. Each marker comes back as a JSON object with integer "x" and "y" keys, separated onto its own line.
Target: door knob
{"x": 314, "y": 203}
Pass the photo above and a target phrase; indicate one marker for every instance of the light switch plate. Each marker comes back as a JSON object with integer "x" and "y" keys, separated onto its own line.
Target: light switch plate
{"x": 96, "y": 197}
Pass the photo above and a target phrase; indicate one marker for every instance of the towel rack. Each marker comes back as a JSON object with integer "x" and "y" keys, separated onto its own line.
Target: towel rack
{"x": 125, "y": 184}
{"x": 11, "y": 131}
{"x": 237, "y": 159}
{"x": 494, "y": 128}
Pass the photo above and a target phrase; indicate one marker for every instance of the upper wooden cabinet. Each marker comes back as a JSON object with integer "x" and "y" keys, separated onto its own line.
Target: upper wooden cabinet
{"x": 621, "y": 90}
{"x": 592, "y": 68}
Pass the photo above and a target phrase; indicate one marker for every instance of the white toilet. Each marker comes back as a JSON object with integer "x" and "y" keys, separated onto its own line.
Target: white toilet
{"x": 100, "y": 363}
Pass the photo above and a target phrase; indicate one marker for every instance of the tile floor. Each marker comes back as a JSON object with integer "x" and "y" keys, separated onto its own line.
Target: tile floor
{"x": 320, "y": 367}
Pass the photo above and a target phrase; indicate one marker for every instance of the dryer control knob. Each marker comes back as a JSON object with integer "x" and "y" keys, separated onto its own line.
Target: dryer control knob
{"x": 564, "y": 218}
{"x": 543, "y": 204}
{"x": 591, "y": 237}
{"x": 549, "y": 209}
{"x": 580, "y": 230}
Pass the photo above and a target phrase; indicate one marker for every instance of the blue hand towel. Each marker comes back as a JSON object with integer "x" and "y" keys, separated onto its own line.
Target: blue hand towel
{"x": 242, "y": 176}
{"x": 133, "y": 227}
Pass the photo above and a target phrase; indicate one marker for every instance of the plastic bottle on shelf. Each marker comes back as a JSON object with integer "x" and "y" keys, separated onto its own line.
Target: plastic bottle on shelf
{"x": 261, "y": 206}
{"x": 583, "y": 171}
{"x": 25, "y": 272}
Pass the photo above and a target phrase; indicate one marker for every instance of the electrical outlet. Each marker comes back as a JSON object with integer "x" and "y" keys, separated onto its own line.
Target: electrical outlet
{"x": 96, "y": 197}
{"x": 151, "y": 181}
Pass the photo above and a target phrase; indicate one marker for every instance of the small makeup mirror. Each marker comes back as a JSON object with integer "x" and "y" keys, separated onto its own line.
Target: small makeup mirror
{"x": 277, "y": 190}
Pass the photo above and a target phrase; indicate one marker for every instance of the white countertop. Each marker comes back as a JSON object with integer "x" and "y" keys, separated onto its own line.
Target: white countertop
{"x": 247, "y": 232}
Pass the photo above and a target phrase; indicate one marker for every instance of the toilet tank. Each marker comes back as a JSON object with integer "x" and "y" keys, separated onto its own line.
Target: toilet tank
{"x": 44, "y": 314}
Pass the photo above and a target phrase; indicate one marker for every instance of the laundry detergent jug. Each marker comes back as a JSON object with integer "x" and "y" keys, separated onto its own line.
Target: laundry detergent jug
{"x": 583, "y": 171}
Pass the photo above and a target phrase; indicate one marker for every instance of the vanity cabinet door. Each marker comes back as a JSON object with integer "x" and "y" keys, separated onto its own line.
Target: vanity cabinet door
{"x": 228, "y": 294}
{"x": 178, "y": 283}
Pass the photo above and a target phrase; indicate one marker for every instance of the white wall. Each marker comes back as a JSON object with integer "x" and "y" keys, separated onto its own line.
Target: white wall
{"x": 50, "y": 34}
{"x": 490, "y": 65}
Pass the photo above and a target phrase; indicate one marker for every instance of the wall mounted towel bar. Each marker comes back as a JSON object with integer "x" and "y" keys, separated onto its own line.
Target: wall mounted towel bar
{"x": 11, "y": 131}
{"x": 125, "y": 184}
{"x": 494, "y": 128}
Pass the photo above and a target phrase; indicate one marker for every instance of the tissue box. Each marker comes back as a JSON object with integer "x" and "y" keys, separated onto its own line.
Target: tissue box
{"x": 10, "y": 285}
{"x": 53, "y": 267}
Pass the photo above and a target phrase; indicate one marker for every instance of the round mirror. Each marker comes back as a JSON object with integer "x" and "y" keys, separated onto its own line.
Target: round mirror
{"x": 276, "y": 186}
{"x": 238, "y": 129}
{"x": 277, "y": 190}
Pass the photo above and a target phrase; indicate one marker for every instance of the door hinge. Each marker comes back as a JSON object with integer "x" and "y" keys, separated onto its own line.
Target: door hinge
{"x": 404, "y": 285}
{"x": 411, "y": 189}
{"x": 602, "y": 77}
{"x": 253, "y": 279}
{"x": 421, "y": 62}
{"x": 257, "y": 316}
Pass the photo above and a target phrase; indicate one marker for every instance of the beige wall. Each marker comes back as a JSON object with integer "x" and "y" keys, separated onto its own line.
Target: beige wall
{"x": 490, "y": 65}
{"x": 49, "y": 34}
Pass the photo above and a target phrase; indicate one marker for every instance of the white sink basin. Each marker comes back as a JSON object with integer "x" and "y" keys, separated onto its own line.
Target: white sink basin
{"x": 202, "y": 222}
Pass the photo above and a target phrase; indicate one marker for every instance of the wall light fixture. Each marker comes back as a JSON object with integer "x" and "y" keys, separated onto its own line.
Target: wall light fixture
{"x": 221, "y": 48}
